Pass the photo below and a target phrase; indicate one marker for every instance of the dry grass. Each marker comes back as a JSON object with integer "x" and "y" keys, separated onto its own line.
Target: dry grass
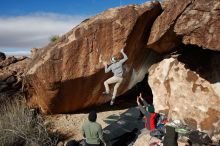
{"x": 20, "y": 126}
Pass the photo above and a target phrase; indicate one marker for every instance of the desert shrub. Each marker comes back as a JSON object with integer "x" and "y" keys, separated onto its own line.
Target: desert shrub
{"x": 54, "y": 38}
{"x": 21, "y": 126}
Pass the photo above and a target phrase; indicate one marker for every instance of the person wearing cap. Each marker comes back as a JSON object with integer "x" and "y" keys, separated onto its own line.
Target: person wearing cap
{"x": 117, "y": 69}
{"x": 148, "y": 112}
{"x": 92, "y": 131}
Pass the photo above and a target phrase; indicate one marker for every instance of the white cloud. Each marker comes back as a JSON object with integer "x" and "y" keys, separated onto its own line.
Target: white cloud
{"x": 18, "y": 53}
{"x": 34, "y": 30}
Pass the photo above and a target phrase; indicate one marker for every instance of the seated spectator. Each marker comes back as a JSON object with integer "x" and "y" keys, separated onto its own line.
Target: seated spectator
{"x": 92, "y": 131}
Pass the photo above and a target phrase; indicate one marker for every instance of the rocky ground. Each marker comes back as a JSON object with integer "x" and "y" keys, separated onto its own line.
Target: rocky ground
{"x": 69, "y": 125}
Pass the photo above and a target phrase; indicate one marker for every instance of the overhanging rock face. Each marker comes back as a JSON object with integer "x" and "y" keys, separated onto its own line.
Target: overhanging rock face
{"x": 68, "y": 75}
{"x": 187, "y": 21}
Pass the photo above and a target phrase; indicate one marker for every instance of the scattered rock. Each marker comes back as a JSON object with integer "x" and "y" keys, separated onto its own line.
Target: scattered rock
{"x": 11, "y": 74}
{"x": 8, "y": 61}
{"x": 183, "y": 141}
{"x": 146, "y": 139}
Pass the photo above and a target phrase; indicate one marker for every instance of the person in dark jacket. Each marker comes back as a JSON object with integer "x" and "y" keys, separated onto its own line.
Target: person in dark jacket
{"x": 148, "y": 112}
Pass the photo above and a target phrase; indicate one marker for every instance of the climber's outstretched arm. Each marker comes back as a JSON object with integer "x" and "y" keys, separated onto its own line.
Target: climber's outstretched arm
{"x": 143, "y": 111}
{"x": 145, "y": 103}
{"x": 125, "y": 57}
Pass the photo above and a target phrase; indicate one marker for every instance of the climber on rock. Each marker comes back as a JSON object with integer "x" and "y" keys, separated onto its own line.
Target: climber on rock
{"x": 117, "y": 69}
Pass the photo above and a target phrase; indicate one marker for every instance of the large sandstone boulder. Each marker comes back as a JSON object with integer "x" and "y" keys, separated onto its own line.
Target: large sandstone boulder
{"x": 194, "y": 22}
{"x": 68, "y": 75}
{"x": 187, "y": 88}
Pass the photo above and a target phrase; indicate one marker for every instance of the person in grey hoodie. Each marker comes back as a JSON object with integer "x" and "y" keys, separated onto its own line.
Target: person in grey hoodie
{"x": 117, "y": 69}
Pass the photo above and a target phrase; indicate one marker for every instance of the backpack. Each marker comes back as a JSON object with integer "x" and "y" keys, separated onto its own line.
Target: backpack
{"x": 151, "y": 119}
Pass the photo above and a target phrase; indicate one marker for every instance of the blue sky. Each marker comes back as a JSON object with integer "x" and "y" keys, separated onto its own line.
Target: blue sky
{"x": 26, "y": 24}
{"x": 70, "y": 7}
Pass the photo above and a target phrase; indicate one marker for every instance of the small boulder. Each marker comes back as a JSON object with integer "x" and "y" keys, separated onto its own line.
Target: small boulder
{"x": 2, "y": 56}
{"x": 8, "y": 61}
{"x": 183, "y": 141}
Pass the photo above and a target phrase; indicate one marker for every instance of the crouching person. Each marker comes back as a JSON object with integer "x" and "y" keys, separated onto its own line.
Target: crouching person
{"x": 92, "y": 131}
{"x": 148, "y": 111}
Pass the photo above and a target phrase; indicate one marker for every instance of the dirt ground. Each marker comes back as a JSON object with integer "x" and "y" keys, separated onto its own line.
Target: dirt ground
{"x": 69, "y": 125}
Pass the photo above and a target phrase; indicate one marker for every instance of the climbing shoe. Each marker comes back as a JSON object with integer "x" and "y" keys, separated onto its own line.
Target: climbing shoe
{"x": 105, "y": 93}
{"x": 112, "y": 102}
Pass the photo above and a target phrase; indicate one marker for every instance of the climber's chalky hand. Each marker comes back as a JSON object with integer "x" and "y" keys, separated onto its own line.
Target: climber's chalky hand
{"x": 105, "y": 63}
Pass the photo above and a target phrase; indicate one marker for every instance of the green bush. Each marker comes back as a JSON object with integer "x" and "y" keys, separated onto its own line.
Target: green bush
{"x": 20, "y": 126}
{"x": 54, "y": 38}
